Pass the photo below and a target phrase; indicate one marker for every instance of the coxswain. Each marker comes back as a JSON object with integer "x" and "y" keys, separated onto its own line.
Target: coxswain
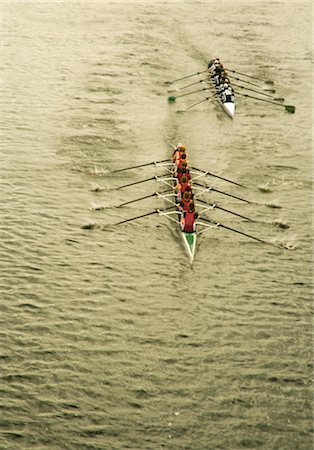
{"x": 188, "y": 219}
{"x": 212, "y": 64}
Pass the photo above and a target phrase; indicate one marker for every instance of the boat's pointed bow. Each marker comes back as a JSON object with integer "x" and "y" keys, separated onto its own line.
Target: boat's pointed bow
{"x": 190, "y": 244}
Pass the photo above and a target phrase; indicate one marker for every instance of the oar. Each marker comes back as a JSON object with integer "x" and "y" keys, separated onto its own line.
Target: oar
{"x": 214, "y": 205}
{"x": 140, "y": 165}
{"x": 184, "y": 78}
{"x": 252, "y": 84}
{"x": 206, "y": 172}
{"x": 141, "y": 198}
{"x": 250, "y": 76}
{"x": 195, "y": 104}
{"x": 224, "y": 193}
{"x": 239, "y": 232}
{"x": 288, "y": 108}
{"x": 191, "y": 84}
{"x": 173, "y": 98}
{"x": 279, "y": 99}
{"x": 136, "y": 182}
{"x": 157, "y": 211}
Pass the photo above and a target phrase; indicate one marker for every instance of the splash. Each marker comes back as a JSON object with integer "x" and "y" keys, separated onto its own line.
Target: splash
{"x": 264, "y": 188}
{"x": 273, "y": 204}
{"x": 96, "y": 187}
{"x": 281, "y": 224}
{"x": 90, "y": 226}
{"x": 96, "y": 207}
{"x": 98, "y": 171}
{"x": 288, "y": 243}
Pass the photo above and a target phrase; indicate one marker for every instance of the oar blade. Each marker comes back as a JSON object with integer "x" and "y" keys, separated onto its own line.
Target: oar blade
{"x": 290, "y": 108}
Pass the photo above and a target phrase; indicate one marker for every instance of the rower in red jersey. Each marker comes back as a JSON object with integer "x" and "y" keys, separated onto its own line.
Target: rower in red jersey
{"x": 182, "y": 187}
{"x": 184, "y": 171}
{"x": 188, "y": 219}
{"x": 187, "y": 198}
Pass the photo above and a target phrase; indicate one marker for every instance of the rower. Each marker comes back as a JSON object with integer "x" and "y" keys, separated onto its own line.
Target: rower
{"x": 188, "y": 219}
{"x": 184, "y": 171}
{"x": 226, "y": 94}
{"x": 187, "y": 198}
{"x": 217, "y": 73}
{"x": 182, "y": 187}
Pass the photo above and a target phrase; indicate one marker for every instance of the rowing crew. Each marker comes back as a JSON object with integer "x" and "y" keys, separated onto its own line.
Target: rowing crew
{"x": 221, "y": 80}
{"x": 183, "y": 189}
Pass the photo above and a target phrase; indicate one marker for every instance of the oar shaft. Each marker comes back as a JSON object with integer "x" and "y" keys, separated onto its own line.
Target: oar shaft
{"x": 193, "y": 92}
{"x": 195, "y": 104}
{"x": 289, "y": 108}
{"x": 252, "y": 90}
{"x": 232, "y": 196}
{"x": 245, "y": 234}
{"x": 250, "y": 76}
{"x": 136, "y": 182}
{"x": 218, "y": 176}
{"x": 137, "y": 199}
{"x": 214, "y": 205}
{"x": 187, "y": 76}
{"x": 244, "y": 81}
{"x": 135, "y": 218}
{"x": 237, "y": 231}
{"x": 139, "y": 165}
{"x": 235, "y": 214}
{"x": 192, "y": 84}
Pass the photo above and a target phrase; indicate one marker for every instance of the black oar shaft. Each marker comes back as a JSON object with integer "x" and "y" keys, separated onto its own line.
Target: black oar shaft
{"x": 252, "y": 90}
{"x": 245, "y": 234}
{"x": 187, "y": 76}
{"x": 137, "y": 199}
{"x": 214, "y": 205}
{"x": 136, "y": 182}
{"x": 192, "y": 84}
{"x": 193, "y": 92}
{"x": 244, "y": 81}
{"x": 218, "y": 176}
{"x": 224, "y": 193}
{"x": 137, "y": 217}
{"x": 250, "y": 76}
{"x": 157, "y": 211}
{"x": 232, "y": 196}
{"x": 237, "y": 231}
{"x": 234, "y": 213}
{"x": 195, "y": 104}
{"x": 288, "y": 108}
{"x": 139, "y": 165}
